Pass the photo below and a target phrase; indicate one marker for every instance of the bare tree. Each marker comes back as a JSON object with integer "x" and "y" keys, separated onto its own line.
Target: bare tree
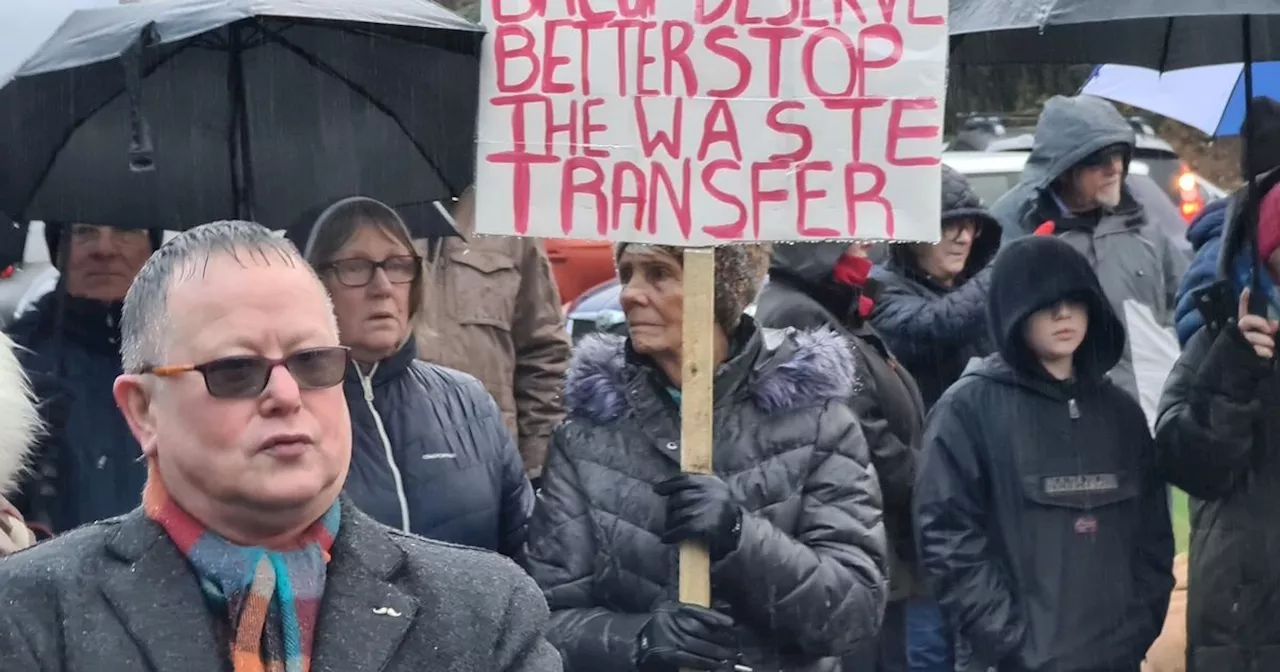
{"x": 467, "y": 9}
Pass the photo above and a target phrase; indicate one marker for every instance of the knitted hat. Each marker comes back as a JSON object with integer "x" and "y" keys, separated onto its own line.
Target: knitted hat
{"x": 1269, "y": 225}
{"x": 740, "y": 272}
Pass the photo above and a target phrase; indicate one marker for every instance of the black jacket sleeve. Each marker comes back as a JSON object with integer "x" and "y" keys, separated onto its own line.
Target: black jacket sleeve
{"x": 824, "y": 590}
{"x": 561, "y": 552}
{"x": 968, "y": 580}
{"x": 916, "y": 327}
{"x": 514, "y": 490}
{"x": 1153, "y": 550}
{"x": 517, "y": 502}
{"x": 895, "y": 461}
{"x": 1205, "y": 427}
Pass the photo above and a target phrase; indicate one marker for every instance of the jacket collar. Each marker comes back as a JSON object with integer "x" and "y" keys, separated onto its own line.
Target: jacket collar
{"x": 153, "y": 592}
{"x": 384, "y": 371}
{"x": 93, "y": 325}
{"x": 776, "y": 370}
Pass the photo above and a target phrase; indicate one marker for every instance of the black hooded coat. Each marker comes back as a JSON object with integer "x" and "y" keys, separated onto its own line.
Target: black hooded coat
{"x": 1042, "y": 522}
{"x": 1218, "y": 434}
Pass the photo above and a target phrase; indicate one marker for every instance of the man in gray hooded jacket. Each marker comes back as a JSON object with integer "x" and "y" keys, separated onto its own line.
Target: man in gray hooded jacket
{"x": 1074, "y": 185}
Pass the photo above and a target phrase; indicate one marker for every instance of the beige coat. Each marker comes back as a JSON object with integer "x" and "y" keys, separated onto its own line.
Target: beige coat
{"x": 491, "y": 309}
{"x": 1169, "y": 652}
{"x": 19, "y": 427}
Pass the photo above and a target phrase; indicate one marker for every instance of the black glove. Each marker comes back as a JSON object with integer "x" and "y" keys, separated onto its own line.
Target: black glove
{"x": 686, "y": 636}
{"x": 701, "y": 508}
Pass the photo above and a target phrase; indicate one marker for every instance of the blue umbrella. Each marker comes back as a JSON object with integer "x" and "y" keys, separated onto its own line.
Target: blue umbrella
{"x": 1210, "y": 98}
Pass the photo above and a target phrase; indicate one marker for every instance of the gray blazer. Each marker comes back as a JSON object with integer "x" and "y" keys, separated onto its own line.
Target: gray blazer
{"x": 117, "y": 596}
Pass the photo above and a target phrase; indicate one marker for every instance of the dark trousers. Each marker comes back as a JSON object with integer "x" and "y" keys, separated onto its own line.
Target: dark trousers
{"x": 888, "y": 653}
{"x": 929, "y": 642}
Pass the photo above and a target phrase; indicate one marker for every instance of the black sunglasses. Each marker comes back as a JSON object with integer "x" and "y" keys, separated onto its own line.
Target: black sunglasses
{"x": 1102, "y": 158}
{"x": 246, "y": 376}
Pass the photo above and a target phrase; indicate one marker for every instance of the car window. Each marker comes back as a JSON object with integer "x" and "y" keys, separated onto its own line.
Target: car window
{"x": 991, "y": 186}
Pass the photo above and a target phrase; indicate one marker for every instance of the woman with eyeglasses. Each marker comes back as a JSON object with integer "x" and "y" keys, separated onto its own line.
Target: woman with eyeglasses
{"x": 932, "y": 313}
{"x": 430, "y": 453}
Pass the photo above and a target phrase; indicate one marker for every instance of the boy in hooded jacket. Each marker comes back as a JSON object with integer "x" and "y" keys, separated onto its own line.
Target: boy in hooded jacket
{"x": 1042, "y": 522}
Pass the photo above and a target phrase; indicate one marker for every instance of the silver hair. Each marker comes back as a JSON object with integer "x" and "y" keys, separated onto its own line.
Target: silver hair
{"x": 144, "y": 320}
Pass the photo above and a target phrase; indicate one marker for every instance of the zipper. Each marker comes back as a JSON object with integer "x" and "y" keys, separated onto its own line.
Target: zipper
{"x": 367, "y": 383}
{"x": 1073, "y": 409}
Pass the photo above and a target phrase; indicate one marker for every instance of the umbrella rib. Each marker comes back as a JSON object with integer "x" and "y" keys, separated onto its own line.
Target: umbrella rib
{"x": 53, "y": 158}
{"x": 453, "y": 40}
{"x": 1168, "y": 43}
{"x": 364, "y": 93}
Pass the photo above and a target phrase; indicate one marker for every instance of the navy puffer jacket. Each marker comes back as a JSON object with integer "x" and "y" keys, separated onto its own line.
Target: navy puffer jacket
{"x": 430, "y": 455}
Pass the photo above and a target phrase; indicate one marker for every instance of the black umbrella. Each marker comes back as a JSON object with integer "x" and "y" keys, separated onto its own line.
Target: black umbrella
{"x": 1160, "y": 34}
{"x": 171, "y": 114}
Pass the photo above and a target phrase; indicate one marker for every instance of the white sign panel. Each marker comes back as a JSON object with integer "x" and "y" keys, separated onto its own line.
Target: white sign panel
{"x": 703, "y": 122}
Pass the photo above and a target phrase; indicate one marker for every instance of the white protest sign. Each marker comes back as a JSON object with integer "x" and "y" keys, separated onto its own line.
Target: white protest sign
{"x": 701, "y": 122}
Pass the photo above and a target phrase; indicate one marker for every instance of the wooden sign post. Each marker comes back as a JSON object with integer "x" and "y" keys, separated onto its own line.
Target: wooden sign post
{"x": 696, "y": 404}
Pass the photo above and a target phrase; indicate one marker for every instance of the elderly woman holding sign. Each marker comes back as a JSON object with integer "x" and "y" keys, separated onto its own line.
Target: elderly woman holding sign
{"x": 792, "y": 515}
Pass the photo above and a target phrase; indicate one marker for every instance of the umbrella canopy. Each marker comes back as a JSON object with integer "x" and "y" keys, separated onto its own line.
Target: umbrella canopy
{"x": 1209, "y": 98}
{"x": 1159, "y": 34}
{"x": 171, "y": 114}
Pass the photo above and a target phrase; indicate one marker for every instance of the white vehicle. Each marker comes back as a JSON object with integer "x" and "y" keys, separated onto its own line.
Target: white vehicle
{"x": 993, "y": 174}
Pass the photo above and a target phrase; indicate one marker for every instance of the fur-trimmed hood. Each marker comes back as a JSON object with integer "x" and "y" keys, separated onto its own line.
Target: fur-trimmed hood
{"x": 781, "y": 370}
{"x": 19, "y": 420}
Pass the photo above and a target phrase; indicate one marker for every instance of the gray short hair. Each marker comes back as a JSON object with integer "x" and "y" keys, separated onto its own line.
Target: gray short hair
{"x": 144, "y": 320}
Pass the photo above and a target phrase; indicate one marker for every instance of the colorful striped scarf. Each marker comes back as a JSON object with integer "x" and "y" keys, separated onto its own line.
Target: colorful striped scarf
{"x": 271, "y": 597}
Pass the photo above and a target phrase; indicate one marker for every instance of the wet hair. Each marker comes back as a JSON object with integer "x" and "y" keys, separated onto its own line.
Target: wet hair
{"x": 339, "y": 223}
{"x": 144, "y": 321}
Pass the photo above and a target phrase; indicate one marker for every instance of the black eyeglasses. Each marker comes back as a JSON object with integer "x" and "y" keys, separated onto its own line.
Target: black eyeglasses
{"x": 400, "y": 269}
{"x": 246, "y": 376}
{"x": 954, "y": 229}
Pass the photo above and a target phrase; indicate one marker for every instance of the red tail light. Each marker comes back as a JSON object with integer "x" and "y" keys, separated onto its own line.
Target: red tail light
{"x": 7, "y": 272}
{"x": 1189, "y": 195}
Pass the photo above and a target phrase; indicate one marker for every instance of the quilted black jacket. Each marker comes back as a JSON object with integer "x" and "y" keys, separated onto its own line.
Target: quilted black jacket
{"x": 808, "y": 580}
{"x": 935, "y": 330}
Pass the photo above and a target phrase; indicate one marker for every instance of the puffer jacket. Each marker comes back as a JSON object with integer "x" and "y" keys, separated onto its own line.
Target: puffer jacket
{"x": 86, "y": 465}
{"x": 1218, "y": 436}
{"x": 430, "y": 455}
{"x": 1205, "y": 234}
{"x": 802, "y": 294}
{"x": 934, "y": 329}
{"x": 807, "y": 581}
{"x": 1135, "y": 263}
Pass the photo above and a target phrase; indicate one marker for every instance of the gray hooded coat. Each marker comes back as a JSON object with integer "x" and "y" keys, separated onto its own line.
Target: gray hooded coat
{"x": 1135, "y": 263}
{"x": 807, "y": 582}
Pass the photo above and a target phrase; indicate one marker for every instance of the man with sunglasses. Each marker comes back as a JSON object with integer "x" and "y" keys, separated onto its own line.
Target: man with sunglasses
{"x": 1074, "y": 187}
{"x": 243, "y": 556}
